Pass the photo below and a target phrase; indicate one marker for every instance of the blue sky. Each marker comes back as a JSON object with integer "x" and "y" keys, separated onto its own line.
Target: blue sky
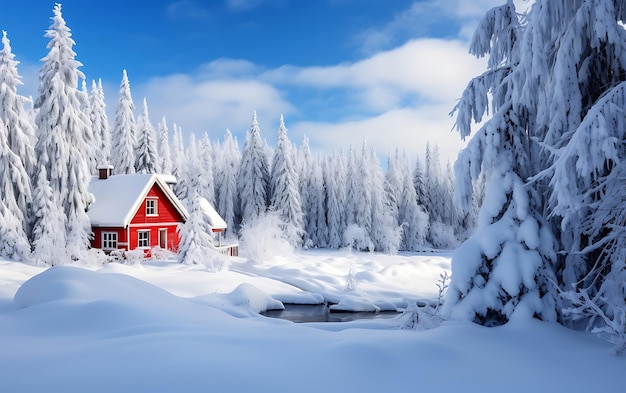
{"x": 341, "y": 71}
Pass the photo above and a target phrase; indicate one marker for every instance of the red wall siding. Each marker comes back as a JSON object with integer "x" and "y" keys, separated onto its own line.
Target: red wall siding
{"x": 96, "y": 242}
{"x": 172, "y": 235}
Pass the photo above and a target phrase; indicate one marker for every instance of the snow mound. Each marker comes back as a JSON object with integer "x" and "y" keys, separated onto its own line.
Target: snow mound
{"x": 253, "y": 298}
{"x": 74, "y": 299}
{"x": 354, "y": 304}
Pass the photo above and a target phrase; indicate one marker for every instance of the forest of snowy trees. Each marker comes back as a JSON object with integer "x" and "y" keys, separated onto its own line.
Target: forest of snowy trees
{"x": 50, "y": 147}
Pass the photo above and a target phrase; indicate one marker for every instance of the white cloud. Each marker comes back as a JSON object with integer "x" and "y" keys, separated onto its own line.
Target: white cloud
{"x": 397, "y": 98}
{"x": 406, "y": 129}
{"x": 432, "y": 69}
{"x": 199, "y": 105}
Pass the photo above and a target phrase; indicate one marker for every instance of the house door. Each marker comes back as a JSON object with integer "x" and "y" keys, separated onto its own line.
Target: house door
{"x": 163, "y": 238}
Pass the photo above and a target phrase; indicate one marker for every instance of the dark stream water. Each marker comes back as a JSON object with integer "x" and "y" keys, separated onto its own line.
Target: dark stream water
{"x": 321, "y": 313}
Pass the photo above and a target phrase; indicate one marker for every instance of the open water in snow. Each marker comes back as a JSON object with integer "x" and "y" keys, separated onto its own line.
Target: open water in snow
{"x": 321, "y": 313}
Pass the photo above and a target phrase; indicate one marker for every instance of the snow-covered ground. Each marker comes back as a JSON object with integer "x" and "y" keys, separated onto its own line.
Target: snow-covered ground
{"x": 164, "y": 327}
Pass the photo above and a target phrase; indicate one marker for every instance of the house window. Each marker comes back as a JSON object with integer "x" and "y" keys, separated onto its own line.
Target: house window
{"x": 151, "y": 207}
{"x": 143, "y": 239}
{"x": 109, "y": 240}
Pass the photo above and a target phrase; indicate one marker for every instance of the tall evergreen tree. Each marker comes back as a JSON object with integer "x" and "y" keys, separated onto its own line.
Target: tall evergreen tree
{"x": 385, "y": 232}
{"x": 62, "y": 127}
{"x": 17, "y": 139}
{"x": 556, "y": 79}
{"x": 164, "y": 148}
{"x": 13, "y": 238}
{"x": 123, "y": 135}
{"x": 412, "y": 218}
{"x": 285, "y": 195}
{"x": 335, "y": 174}
{"x": 196, "y": 243}
{"x": 20, "y": 132}
{"x": 48, "y": 218}
{"x": 179, "y": 163}
{"x": 146, "y": 158}
{"x": 99, "y": 123}
{"x": 206, "y": 163}
{"x": 253, "y": 178}
{"x": 226, "y": 171}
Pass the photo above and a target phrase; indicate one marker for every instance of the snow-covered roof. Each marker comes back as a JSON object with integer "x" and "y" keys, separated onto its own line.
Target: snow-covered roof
{"x": 216, "y": 221}
{"x": 118, "y": 197}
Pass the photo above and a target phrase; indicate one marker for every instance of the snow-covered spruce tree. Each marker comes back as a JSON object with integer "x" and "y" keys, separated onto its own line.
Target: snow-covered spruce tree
{"x": 335, "y": 174}
{"x": 508, "y": 264}
{"x": 358, "y": 203}
{"x": 304, "y": 159}
{"x": 179, "y": 164}
{"x": 226, "y": 170}
{"x": 164, "y": 148}
{"x": 20, "y": 132}
{"x": 91, "y": 140}
{"x": 146, "y": 158}
{"x": 206, "y": 162}
{"x": 99, "y": 123}
{"x": 285, "y": 195}
{"x": 253, "y": 178}
{"x": 199, "y": 172}
{"x": 385, "y": 231}
{"x": 16, "y": 141}
{"x": 586, "y": 126}
{"x": 13, "y": 238}
{"x": 196, "y": 242}
{"x": 316, "y": 204}
{"x": 123, "y": 135}
{"x": 61, "y": 147}
{"x": 412, "y": 218}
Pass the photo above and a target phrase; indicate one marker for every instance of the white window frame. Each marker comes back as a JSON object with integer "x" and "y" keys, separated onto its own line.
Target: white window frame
{"x": 152, "y": 206}
{"x": 109, "y": 240}
{"x": 143, "y": 243}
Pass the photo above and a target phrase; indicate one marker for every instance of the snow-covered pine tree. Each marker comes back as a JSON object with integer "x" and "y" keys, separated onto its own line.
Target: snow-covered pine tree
{"x": 285, "y": 195}
{"x": 358, "y": 202}
{"x": 419, "y": 183}
{"x": 99, "y": 123}
{"x": 14, "y": 185}
{"x": 253, "y": 178}
{"x": 179, "y": 164}
{"x": 304, "y": 159}
{"x": 62, "y": 126}
{"x": 123, "y": 135}
{"x": 583, "y": 114}
{"x": 226, "y": 171}
{"x": 413, "y": 219}
{"x": 335, "y": 175}
{"x": 196, "y": 242}
{"x": 385, "y": 231}
{"x": 16, "y": 141}
{"x": 508, "y": 264}
{"x": 164, "y": 148}
{"x": 20, "y": 132}
{"x": 49, "y": 225}
{"x": 205, "y": 160}
{"x": 146, "y": 158}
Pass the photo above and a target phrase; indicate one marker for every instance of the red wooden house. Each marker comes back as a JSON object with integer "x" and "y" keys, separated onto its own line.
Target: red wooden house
{"x": 140, "y": 211}
{"x": 134, "y": 211}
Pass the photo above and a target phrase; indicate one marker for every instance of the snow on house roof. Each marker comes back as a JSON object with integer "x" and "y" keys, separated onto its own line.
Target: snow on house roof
{"x": 216, "y": 221}
{"x": 118, "y": 197}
